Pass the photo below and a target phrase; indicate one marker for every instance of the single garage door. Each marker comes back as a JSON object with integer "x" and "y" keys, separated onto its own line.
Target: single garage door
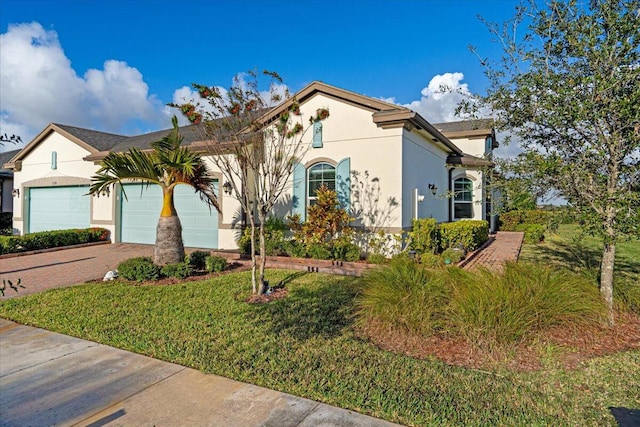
{"x": 140, "y": 213}
{"x": 58, "y": 208}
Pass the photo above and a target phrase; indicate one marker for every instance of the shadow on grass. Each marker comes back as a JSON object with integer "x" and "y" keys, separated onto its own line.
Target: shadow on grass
{"x": 322, "y": 307}
{"x": 570, "y": 254}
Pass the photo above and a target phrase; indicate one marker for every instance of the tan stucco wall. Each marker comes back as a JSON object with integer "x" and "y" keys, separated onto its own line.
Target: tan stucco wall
{"x": 475, "y": 146}
{"x": 349, "y": 131}
{"x": 423, "y": 164}
{"x": 71, "y": 169}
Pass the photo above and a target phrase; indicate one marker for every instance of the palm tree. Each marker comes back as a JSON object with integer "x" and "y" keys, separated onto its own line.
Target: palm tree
{"x": 167, "y": 165}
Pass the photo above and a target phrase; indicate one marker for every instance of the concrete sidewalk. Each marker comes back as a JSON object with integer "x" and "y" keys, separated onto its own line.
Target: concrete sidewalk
{"x": 52, "y": 379}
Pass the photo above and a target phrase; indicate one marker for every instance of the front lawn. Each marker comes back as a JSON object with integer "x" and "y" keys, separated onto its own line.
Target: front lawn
{"x": 568, "y": 247}
{"x": 305, "y": 344}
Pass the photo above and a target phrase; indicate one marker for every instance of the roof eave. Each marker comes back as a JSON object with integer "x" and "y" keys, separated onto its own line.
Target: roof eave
{"x": 401, "y": 116}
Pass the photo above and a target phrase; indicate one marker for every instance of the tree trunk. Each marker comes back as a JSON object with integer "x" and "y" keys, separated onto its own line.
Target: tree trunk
{"x": 169, "y": 247}
{"x": 606, "y": 277}
{"x": 263, "y": 257}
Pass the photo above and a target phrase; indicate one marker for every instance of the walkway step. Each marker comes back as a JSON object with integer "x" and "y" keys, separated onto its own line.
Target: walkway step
{"x": 504, "y": 247}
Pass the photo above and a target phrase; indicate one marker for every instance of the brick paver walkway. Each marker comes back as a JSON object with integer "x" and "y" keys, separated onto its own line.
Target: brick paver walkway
{"x": 504, "y": 247}
{"x": 39, "y": 272}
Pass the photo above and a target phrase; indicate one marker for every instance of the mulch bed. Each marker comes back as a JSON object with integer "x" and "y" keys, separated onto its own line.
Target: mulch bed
{"x": 276, "y": 293}
{"x": 577, "y": 345}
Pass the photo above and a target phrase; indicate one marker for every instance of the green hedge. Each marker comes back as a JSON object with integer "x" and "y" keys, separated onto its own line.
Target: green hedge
{"x": 470, "y": 234}
{"x": 6, "y": 223}
{"x": 424, "y": 236}
{"x": 533, "y": 233}
{"x": 51, "y": 239}
{"x": 509, "y": 221}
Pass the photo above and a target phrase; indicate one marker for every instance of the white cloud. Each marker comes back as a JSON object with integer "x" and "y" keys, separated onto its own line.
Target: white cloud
{"x": 441, "y": 97}
{"x": 40, "y": 86}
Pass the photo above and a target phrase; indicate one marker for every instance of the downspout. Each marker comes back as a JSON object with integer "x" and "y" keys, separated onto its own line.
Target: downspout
{"x": 450, "y": 189}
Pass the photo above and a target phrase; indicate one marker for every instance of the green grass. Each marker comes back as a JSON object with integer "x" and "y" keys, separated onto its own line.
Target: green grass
{"x": 568, "y": 247}
{"x": 305, "y": 345}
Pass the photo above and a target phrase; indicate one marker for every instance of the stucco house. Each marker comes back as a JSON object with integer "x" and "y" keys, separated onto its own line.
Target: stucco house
{"x": 432, "y": 170}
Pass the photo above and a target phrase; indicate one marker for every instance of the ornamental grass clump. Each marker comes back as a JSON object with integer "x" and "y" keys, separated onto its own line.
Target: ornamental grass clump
{"x": 404, "y": 295}
{"x": 505, "y": 307}
{"x": 486, "y": 307}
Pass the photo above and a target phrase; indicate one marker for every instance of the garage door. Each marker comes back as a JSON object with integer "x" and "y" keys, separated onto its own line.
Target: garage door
{"x": 139, "y": 216}
{"x": 58, "y": 208}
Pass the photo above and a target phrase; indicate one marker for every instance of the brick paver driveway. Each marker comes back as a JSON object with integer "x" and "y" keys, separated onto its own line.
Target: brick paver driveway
{"x": 66, "y": 267}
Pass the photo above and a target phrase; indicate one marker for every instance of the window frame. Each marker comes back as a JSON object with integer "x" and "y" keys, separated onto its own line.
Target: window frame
{"x": 468, "y": 189}
{"x": 311, "y": 197}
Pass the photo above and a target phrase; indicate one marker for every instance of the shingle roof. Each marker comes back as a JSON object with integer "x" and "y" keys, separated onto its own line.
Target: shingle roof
{"x": 101, "y": 141}
{"x": 4, "y": 158}
{"x": 464, "y": 125}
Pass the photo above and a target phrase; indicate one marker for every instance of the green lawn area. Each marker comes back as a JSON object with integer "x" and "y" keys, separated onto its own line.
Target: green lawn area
{"x": 567, "y": 248}
{"x": 305, "y": 345}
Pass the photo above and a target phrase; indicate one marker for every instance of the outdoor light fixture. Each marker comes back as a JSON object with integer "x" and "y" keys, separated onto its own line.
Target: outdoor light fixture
{"x": 16, "y": 192}
{"x": 227, "y": 188}
{"x": 433, "y": 188}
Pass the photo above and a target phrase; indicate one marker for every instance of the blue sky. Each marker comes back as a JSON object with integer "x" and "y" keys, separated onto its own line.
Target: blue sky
{"x": 113, "y": 65}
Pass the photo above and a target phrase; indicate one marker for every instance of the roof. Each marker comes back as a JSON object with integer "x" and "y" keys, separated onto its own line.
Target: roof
{"x": 99, "y": 140}
{"x": 5, "y": 156}
{"x": 474, "y": 128}
{"x": 385, "y": 114}
{"x": 469, "y": 160}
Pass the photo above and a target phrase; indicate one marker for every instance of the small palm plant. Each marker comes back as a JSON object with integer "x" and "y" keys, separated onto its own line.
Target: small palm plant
{"x": 167, "y": 165}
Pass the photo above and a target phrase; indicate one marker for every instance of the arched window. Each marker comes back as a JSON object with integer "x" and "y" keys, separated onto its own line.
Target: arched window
{"x": 318, "y": 175}
{"x": 463, "y": 198}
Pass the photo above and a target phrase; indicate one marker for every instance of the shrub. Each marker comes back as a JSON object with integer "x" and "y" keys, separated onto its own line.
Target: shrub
{"x": 52, "y": 239}
{"x": 469, "y": 234}
{"x": 504, "y": 307}
{"x": 430, "y": 260}
{"x": 215, "y": 264}
{"x": 294, "y": 249}
{"x": 376, "y": 258}
{"x": 179, "y": 270}
{"x": 196, "y": 259}
{"x": 326, "y": 220}
{"x": 452, "y": 256}
{"x": 424, "y": 235}
{"x": 319, "y": 251}
{"x": 6, "y": 223}
{"x": 404, "y": 295}
{"x": 533, "y": 233}
{"x": 509, "y": 221}
{"x": 139, "y": 269}
{"x": 626, "y": 294}
{"x": 345, "y": 250}
{"x": 274, "y": 229}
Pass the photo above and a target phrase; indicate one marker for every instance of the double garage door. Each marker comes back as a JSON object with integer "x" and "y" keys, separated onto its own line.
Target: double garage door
{"x": 141, "y": 209}
{"x": 58, "y": 208}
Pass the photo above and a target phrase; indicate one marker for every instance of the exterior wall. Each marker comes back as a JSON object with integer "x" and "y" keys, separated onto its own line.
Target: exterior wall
{"x": 475, "y": 146}
{"x": 476, "y": 176}
{"x": 230, "y": 221}
{"x": 70, "y": 169}
{"x": 423, "y": 163}
{"x": 349, "y": 131}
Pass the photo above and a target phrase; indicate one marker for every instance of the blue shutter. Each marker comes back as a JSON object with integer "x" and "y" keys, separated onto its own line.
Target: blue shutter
{"x": 317, "y": 134}
{"x": 298, "y": 201}
{"x": 54, "y": 160}
{"x": 343, "y": 182}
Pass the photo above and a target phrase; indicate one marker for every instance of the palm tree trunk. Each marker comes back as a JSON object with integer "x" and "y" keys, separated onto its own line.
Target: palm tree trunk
{"x": 169, "y": 247}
